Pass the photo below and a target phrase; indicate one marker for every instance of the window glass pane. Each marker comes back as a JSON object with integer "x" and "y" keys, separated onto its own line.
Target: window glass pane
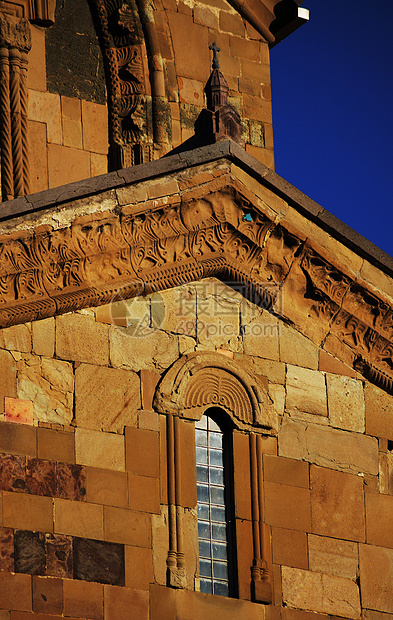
{"x": 212, "y": 527}
{"x": 216, "y": 475}
{"x": 201, "y": 455}
{"x": 221, "y": 588}
{"x": 206, "y": 586}
{"x": 205, "y": 568}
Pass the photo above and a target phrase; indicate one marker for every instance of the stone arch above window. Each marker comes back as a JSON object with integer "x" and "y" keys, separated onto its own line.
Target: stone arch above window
{"x": 200, "y": 381}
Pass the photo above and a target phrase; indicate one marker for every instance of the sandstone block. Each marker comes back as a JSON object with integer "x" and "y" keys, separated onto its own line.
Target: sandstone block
{"x": 27, "y": 512}
{"x": 149, "y": 382}
{"x": 376, "y": 577}
{"x": 80, "y": 339}
{"x": 138, "y": 567}
{"x": 98, "y": 449}
{"x": 8, "y": 377}
{"x": 18, "y": 410}
{"x": 244, "y": 556}
{"x": 95, "y": 127}
{"x": 47, "y": 595}
{"x": 285, "y": 471}
{"x": 44, "y": 337}
{"x": 328, "y": 363}
{"x": 289, "y": 547}
{"x": 320, "y": 593}
{"x": 98, "y": 164}
{"x": 16, "y": 338}
{"x": 127, "y": 527}
{"x": 261, "y": 336}
{"x": 174, "y": 310}
{"x": 346, "y": 403}
{"x": 190, "y": 44}
{"x": 38, "y": 163}
{"x": 306, "y": 391}
{"x": 296, "y": 349}
{"x": 106, "y": 398}
{"x": 45, "y": 108}
{"x": 123, "y": 602}
{"x": 333, "y": 557}
{"x": 66, "y": 165}
{"x": 190, "y": 91}
{"x": 18, "y": 439}
{"x": 83, "y": 599}
{"x": 156, "y": 350}
{"x": 15, "y": 591}
{"x": 79, "y": 519}
{"x": 55, "y": 445}
{"x": 287, "y": 507}
{"x": 379, "y": 412}
{"x": 160, "y": 544}
{"x": 275, "y": 371}
{"x": 49, "y": 385}
{"x": 198, "y": 605}
{"x": 106, "y": 487}
{"x": 142, "y": 452}
{"x": 328, "y": 447}
{"x": 144, "y": 493}
{"x": 148, "y": 420}
{"x": 231, "y": 23}
{"x": 36, "y": 76}
{"x": 379, "y": 519}
{"x": 337, "y": 504}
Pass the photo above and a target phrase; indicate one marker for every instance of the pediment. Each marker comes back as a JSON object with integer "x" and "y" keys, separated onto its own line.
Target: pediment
{"x": 213, "y": 212}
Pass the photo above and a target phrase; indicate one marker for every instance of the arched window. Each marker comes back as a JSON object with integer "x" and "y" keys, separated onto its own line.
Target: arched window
{"x": 215, "y": 506}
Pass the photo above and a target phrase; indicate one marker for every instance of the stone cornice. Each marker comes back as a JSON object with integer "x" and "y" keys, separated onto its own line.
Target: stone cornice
{"x": 92, "y": 250}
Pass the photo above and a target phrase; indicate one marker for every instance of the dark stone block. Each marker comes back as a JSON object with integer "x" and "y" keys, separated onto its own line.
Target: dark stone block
{"x": 6, "y": 549}
{"x": 59, "y": 556}
{"x": 41, "y": 477}
{"x": 95, "y": 560}
{"x": 12, "y": 473}
{"x": 29, "y": 552}
{"x": 74, "y": 61}
{"x": 71, "y": 482}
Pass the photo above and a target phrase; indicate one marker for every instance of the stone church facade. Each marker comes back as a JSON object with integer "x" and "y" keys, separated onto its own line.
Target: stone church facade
{"x": 197, "y": 368}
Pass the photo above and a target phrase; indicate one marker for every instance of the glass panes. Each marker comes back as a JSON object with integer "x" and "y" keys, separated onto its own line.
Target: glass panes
{"x": 212, "y": 528}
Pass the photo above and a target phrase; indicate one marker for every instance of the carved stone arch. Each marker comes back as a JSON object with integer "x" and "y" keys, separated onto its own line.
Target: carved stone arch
{"x": 199, "y": 381}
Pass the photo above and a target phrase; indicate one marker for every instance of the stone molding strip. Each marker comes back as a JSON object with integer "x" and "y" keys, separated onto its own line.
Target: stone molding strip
{"x": 53, "y": 198}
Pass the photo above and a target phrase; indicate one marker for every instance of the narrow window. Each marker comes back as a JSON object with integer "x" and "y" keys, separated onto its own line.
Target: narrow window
{"x": 215, "y": 512}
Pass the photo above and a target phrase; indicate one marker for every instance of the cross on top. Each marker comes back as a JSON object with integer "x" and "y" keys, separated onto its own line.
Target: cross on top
{"x": 214, "y": 47}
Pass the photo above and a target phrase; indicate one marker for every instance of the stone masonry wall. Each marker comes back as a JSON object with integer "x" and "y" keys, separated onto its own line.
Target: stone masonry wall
{"x": 83, "y": 499}
{"x": 68, "y": 130}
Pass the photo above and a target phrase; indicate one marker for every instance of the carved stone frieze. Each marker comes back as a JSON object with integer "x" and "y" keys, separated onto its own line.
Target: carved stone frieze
{"x": 215, "y": 231}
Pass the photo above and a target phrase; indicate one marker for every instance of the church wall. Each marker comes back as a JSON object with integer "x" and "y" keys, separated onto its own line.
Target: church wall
{"x": 84, "y": 466}
{"x": 69, "y": 95}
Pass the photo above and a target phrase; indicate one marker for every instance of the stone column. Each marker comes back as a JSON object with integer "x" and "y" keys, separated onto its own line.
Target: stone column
{"x": 15, "y": 43}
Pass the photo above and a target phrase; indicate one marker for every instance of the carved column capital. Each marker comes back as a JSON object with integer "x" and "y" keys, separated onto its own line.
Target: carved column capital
{"x": 15, "y": 33}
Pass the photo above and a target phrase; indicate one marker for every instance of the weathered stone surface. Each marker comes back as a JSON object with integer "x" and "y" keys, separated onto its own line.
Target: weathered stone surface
{"x": 44, "y": 337}
{"x": 296, "y": 349}
{"x": 106, "y": 398}
{"x": 306, "y": 391}
{"x": 29, "y": 552}
{"x": 275, "y": 371}
{"x": 80, "y": 338}
{"x": 8, "y": 377}
{"x": 49, "y": 384}
{"x": 261, "y": 335}
{"x": 337, "y": 504}
{"x": 98, "y": 449}
{"x": 96, "y": 560}
{"x": 329, "y": 447}
{"x": 379, "y": 412}
{"x": 16, "y": 338}
{"x": 175, "y": 310}
{"x": 346, "y": 403}
{"x": 379, "y": 510}
{"x": 289, "y": 547}
{"x": 376, "y": 577}
{"x": 333, "y": 557}
{"x": 320, "y": 593}
{"x": 156, "y": 350}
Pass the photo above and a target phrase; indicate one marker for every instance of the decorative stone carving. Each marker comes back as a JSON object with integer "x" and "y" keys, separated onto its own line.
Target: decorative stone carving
{"x": 217, "y": 231}
{"x": 129, "y": 107}
{"x": 15, "y": 43}
{"x": 40, "y": 12}
{"x": 202, "y": 380}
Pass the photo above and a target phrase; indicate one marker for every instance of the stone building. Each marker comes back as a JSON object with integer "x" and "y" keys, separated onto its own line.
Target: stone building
{"x": 196, "y": 359}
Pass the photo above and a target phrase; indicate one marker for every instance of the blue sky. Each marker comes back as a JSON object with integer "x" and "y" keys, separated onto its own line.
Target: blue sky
{"x": 333, "y": 112}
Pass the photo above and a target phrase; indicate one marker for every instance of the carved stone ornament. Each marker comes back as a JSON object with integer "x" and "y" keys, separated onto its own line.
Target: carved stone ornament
{"x": 202, "y": 380}
{"x": 219, "y": 229}
{"x": 122, "y": 41}
{"x": 41, "y": 12}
